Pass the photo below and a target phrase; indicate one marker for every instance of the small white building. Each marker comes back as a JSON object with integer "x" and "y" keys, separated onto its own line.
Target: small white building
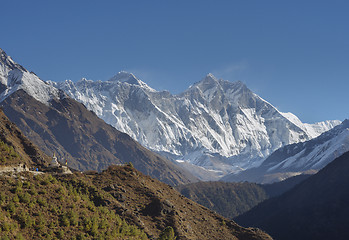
{"x": 54, "y": 162}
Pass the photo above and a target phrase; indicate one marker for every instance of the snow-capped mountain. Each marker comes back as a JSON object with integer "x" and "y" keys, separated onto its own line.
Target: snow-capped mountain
{"x": 217, "y": 125}
{"x": 61, "y": 125}
{"x": 297, "y": 158}
{"x": 14, "y": 77}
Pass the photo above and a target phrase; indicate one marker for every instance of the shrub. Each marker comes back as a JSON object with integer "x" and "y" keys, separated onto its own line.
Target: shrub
{"x": 11, "y": 207}
{"x": 73, "y": 218}
{"x": 2, "y": 159}
{"x": 33, "y": 191}
{"x": 64, "y": 220}
{"x": 80, "y": 236}
{"x": 19, "y": 236}
{"x": 24, "y": 198}
{"x": 60, "y": 234}
{"x": 167, "y": 234}
{"x": 42, "y": 192}
{"x": 25, "y": 220}
{"x": 3, "y": 198}
{"x": 5, "y": 226}
{"x": 26, "y": 184}
{"x": 40, "y": 223}
{"x": 42, "y": 202}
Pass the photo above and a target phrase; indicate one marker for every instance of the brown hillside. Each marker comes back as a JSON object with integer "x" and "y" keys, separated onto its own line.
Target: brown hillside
{"x": 154, "y": 205}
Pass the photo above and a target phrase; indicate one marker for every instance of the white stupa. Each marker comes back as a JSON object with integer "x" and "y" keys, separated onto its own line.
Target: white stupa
{"x": 54, "y": 162}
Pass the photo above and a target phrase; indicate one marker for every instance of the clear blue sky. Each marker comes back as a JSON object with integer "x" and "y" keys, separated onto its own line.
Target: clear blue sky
{"x": 294, "y": 54}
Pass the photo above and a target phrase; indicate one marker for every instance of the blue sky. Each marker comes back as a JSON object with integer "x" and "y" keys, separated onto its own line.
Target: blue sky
{"x": 294, "y": 54}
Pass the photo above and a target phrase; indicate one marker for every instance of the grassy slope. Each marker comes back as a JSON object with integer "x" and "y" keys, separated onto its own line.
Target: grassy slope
{"x": 45, "y": 207}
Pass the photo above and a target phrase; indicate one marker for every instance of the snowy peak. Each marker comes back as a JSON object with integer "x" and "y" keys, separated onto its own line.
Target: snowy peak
{"x": 210, "y": 78}
{"x": 129, "y": 78}
{"x": 211, "y": 82}
{"x": 206, "y": 83}
{"x": 7, "y": 62}
{"x": 125, "y": 77}
{"x": 14, "y": 77}
{"x": 210, "y": 88}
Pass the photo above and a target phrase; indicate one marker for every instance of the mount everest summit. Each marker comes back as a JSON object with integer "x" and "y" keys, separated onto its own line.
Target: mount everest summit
{"x": 214, "y": 128}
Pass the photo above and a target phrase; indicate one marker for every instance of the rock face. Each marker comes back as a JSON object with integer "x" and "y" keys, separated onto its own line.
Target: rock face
{"x": 219, "y": 125}
{"x": 317, "y": 208}
{"x": 59, "y": 124}
{"x": 297, "y": 158}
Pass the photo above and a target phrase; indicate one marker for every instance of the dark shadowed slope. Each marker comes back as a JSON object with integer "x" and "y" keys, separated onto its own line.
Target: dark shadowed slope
{"x": 16, "y": 148}
{"x": 315, "y": 209}
{"x": 227, "y": 199}
{"x": 233, "y": 199}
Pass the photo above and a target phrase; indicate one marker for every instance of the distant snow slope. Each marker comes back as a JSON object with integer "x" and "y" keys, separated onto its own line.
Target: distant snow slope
{"x": 297, "y": 158}
{"x": 218, "y": 125}
{"x": 313, "y": 130}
